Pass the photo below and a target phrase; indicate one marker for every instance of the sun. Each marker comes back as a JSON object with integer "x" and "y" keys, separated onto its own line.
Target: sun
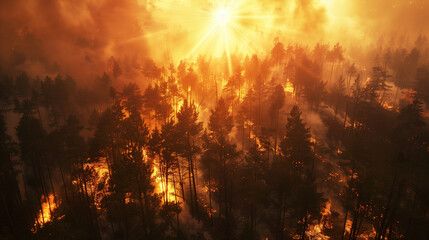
{"x": 215, "y": 29}
{"x": 222, "y": 17}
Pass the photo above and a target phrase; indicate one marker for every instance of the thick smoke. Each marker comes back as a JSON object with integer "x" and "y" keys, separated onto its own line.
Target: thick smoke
{"x": 79, "y": 37}
{"x": 71, "y": 37}
{"x": 379, "y": 23}
{"x": 391, "y": 17}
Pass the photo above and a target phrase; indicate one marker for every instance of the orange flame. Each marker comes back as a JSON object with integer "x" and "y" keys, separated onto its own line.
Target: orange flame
{"x": 160, "y": 185}
{"x": 315, "y": 231}
{"x": 348, "y": 225}
{"x": 44, "y": 216}
{"x": 288, "y": 88}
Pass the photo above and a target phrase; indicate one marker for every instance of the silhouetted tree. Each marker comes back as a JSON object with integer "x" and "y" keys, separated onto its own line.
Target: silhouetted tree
{"x": 14, "y": 222}
{"x": 219, "y": 161}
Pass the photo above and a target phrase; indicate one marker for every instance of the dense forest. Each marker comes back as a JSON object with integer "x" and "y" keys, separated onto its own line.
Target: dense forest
{"x": 297, "y": 143}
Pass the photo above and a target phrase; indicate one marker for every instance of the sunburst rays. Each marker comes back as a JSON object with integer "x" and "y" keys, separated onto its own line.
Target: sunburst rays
{"x": 213, "y": 29}
{"x": 217, "y": 28}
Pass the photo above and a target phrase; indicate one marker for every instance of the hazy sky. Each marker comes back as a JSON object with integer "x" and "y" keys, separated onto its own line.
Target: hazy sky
{"x": 79, "y": 37}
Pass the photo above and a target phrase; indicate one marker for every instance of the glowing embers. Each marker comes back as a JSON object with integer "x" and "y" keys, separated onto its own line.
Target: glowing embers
{"x": 288, "y": 88}
{"x": 99, "y": 175}
{"x": 348, "y": 226}
{"x": 47, "y": 207}
{"x": 222, "y": 17}
{"x": 316, "y": 230}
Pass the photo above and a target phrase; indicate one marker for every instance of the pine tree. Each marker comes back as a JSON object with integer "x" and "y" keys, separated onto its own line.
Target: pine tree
{"x": 296, "y": 146}
{"x": 219, "y": 162}
{"x": 14, "y": 221}
{"x": 277, "y": 101}
{"x": 297, "y": 150}
{"x": 189, "y": 130}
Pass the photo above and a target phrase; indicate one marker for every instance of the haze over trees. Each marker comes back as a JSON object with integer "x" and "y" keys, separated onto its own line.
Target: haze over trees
{"x": 298, "y": 142}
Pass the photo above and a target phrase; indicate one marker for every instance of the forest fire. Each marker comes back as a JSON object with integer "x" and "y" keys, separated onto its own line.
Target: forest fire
{"x": 288, "y": 88}
{"x": 98, "y": 181}
{"x": 45, "y": 213}
{"x": 387, "y": 106}
{"x": 316, "y": 230}
{"x": 161, "y": 186}
{"x": 348, "y": 226}
{"x": 300, "y": 119}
